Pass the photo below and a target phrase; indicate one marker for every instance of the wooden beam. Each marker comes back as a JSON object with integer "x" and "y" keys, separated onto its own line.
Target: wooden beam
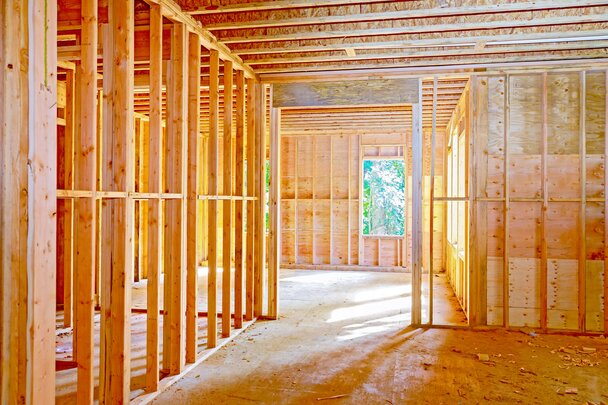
{"x": 155, "y": 217}
{"x": 175, "y": 13}
{"x": 212, "y": 204}
{"x": 227, "y": 211}
{"x": 118, "y": 227}
{"x": 345, "y": 93}
{"x": 239, "y": 208}
{"x": 446, "y": 39}
{"x": 398, "y": 53}
{"x": 422, "y": 12}
{"x": 451, "y": 64}
{"x": 452, "y": 67}
{"x": 460, "y": 26}
{"x": 274, "y": 208}
{"x": 417, "y": 199}
{"x": 275, "y": 5}
{"x": 251, "y": 192}
{"x": 85, "y": 208}
{"x": 193, "y": 189}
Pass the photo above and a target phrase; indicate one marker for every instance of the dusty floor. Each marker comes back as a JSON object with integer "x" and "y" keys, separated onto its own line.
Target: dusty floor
{"x": 342, "y": 338}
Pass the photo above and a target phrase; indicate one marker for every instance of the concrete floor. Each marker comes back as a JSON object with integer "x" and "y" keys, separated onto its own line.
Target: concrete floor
{"x": 343, "y": 338}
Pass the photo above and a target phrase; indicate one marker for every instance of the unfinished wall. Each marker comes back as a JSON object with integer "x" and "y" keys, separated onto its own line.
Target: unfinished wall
{"x": 540, "y": 203}
{"x": 456, "y": 175}
{"x": 321, "y": 167}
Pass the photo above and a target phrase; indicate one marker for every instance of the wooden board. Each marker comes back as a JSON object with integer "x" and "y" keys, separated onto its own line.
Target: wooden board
{"x": 346, "y": 93}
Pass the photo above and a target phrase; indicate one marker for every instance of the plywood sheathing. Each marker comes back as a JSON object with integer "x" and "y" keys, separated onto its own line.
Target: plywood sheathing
{"x": 554, "y": 197}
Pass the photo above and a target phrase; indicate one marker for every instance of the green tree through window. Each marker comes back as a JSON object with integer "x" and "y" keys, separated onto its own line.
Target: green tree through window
{"x": 383, "y": 197}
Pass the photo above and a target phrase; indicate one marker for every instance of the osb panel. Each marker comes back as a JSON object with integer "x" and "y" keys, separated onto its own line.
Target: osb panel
{"x": 496, "y": 115}
{"x": 525, "y": 176}
{"x": 562, "y": 230}
{"x": 594, "y": 296}
{"x": 346, "y": 93}
{"x": 525, "y": 116}
{"x": 595, "y": 108}
{"x": 563, "y": 113}
{"x": 562, "y": 294}
{"x": 563, "y": 176}
{"x": 524, "y": 232}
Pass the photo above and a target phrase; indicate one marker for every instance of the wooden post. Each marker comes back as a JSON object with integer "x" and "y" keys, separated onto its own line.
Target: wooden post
{"x": 194, "y": 146}
{"x": 274, "y": 207}
{"x": 251, "y": 192}
{"x": 478, "y": 145}
{"x": 417, "y": 199}
{"x": 41, "y": 202}
{"x": 28, "y": 162}
{"x": 227, "y": 211}
{"x": 606, "y": 207}
{"x": 155, "y": 219}
{"x": 432, "y": 197}
{"x": 118, "y": 227}
{"x": 260, "y": 247}
{"x": 507, "y": 204}
{"x": 240, "y": 204}
{"x": 361, "y": 241}
{"x": 65, "y": 208}
{"x": 85, "y": 208}
{"x": 582, "y": 256}
{"x": 545, "y": 207}
{"x": 175, "y": 211}
{"x": 349, "y": 191}
{"x": 213, "y": 190}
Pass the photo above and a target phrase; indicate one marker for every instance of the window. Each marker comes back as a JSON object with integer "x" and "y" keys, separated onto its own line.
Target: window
{"x": 383, "y": 197}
